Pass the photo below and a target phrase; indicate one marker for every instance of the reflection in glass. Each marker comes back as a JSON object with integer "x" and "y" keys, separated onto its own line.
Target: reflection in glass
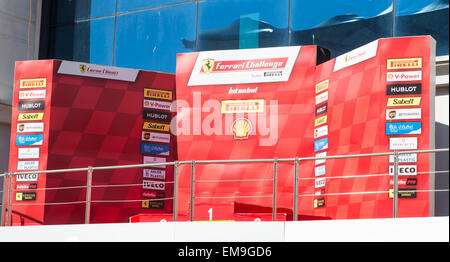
{"x": 424, "y": 17}
{"x": 340, "y": 26}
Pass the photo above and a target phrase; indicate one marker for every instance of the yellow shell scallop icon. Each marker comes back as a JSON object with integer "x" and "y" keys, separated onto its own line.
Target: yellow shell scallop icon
{"x": 241, "y": 128}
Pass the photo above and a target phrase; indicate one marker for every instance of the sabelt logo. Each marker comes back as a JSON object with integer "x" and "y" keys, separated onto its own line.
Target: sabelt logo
{"x": 30, "y": 116}
{"x": 241, "y": 128}
{"x": 242, "y": 106}
{"x": 321, "y": 120}
{"x": 156, "y": 126}
{"x": 404, "y": 101}
{"x": 404, "y": 63}
{"x": 322, "y": 86}
{"x": 33, "y": 83}
{"x": 404, "y": 76}
{"x": 210, "y": 65}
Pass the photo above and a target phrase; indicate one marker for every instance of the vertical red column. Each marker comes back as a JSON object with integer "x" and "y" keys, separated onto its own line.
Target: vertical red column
{"x": 29, "y": 140}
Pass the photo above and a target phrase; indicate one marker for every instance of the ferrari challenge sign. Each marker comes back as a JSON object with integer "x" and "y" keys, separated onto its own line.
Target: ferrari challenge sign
{"x": 277, "y": 103}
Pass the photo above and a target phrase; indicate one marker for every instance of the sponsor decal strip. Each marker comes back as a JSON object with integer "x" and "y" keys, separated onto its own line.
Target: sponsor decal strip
{"x": 33, "y": 83}
{"x": 242, "y": 106}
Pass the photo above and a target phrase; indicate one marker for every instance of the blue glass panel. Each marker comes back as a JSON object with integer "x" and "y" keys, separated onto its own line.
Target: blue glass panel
{"x": 233, "y": 24}
{"x": 340, "y": 26}
{"x": 102, "y": 41}
{"x": 102, "y": 8}
{"x": 423, "y": 17}
{"x": 133, "y": 5}
{"x": 73, "y": 10}
{"x": 151, "y": 39}
{"x": 70, "y": 42}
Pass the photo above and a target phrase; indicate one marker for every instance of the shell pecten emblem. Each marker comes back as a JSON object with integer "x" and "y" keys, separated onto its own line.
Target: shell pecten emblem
{"x": 241, "y": 128}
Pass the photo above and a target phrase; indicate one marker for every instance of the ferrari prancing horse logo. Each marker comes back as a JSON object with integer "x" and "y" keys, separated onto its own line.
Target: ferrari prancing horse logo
{"x": 208, "y": 65}
{"x": 82, "y": 68}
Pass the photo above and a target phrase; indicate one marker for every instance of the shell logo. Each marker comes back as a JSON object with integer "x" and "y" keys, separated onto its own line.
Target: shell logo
{"x": 241, "y": 128}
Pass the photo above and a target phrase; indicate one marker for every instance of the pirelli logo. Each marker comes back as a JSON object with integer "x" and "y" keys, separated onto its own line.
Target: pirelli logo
{"x": 158, "y": 94}
{"x": 242, "y": 106}
{"x": 33, "y": 83}
{"x": 404, "y": 63}
{"x": 322, "y": 86}
{"x": 30, "y": 116}
{"x": 156, "y": 126}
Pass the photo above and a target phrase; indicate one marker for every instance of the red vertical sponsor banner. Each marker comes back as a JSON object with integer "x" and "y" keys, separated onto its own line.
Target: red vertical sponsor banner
{"x": 92, "y": 115}
{"x": 242, "y": 104}
{"x": 380, "y": 99}
{"x": 340, "y": 107}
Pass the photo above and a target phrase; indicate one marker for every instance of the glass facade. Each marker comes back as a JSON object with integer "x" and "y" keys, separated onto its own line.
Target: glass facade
{"x": 147, "y": 34}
